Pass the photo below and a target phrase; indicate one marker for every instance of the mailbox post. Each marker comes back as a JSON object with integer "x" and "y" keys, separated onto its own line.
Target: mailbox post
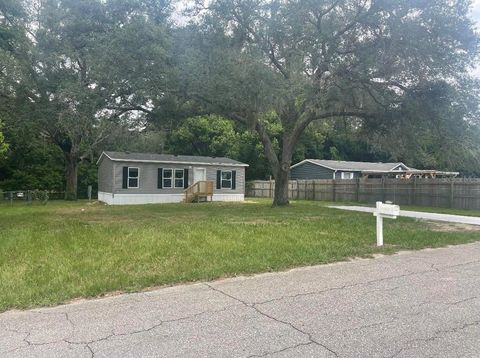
{"x": 389, "y": 211}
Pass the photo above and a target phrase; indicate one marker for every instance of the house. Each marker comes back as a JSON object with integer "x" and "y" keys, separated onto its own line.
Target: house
{"x": 334, "y": 169}
{"x": 143, "y": 178}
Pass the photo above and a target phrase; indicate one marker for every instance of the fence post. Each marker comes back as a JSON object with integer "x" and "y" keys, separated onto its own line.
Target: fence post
{"x": 414, "y": 196}
{"x": 383, "y": 189}
{"x": 313, "y": 189}
{"x": 357, "y": 191}
{"x": 298, "y": 190}
{"x": 334, "y": 194}
{"x": 452, "y": 191}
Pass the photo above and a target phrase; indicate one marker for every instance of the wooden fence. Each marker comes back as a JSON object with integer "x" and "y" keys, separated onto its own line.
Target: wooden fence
{"x": 448, "y": 193}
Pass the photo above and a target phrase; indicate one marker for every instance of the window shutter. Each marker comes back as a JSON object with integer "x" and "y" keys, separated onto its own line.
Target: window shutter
{"x": 125, "y": 178}
{"x": 219, "y": 179}
{"x": 234, "y": 179}
{"x": 185, "y": 178}
{"x": 159, "y": 178}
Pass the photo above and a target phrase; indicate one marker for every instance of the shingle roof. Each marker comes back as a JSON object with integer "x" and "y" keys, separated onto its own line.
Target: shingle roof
{"x": 354, "y": 166}
{"x": 171, "y": 158}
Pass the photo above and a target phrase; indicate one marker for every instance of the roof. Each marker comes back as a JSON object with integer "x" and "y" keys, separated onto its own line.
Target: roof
{"x": 169, "y": 158}
{"x": 353, "y": 166}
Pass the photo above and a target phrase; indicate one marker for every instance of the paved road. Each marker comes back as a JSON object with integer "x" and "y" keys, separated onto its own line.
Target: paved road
{"x": 470, "y": 220}
{"x": 416, "y": 304}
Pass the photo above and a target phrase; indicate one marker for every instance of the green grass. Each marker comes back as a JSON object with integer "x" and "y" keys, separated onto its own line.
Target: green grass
{"x": 50, "y": 254}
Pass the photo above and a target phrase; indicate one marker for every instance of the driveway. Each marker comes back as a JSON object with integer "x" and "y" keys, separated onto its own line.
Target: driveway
{"x": 415, "y": 304}
{"x": 460, "y": 219}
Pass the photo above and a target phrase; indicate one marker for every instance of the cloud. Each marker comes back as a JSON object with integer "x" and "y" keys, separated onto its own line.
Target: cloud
{"x": 475, "y": 11}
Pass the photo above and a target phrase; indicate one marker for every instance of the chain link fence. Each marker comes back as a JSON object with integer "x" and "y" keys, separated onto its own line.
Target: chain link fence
{"x": 29, "y": 197}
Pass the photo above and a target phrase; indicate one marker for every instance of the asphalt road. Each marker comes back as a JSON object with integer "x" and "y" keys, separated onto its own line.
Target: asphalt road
{"x": 415, "y": 304}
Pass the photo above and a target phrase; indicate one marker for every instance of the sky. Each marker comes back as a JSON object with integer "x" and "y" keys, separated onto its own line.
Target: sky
{"x": 476, "y": 10}
{"x": 476, "y": 17}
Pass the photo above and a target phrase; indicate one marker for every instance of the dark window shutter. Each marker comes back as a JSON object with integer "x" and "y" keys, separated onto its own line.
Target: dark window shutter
{"x": 185, "y": 178}
{"x": 219, "y": 179}
{"x": 234, "y": 179}
{"x": 159, "y": 178}
{"x": 125, "y": 178}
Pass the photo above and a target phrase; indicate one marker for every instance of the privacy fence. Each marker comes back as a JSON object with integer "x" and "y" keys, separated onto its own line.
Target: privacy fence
{"x": 448, "y": 193}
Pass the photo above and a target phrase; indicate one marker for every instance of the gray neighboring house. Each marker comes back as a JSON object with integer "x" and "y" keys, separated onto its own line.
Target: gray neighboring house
{"x": 143, "y": 178}
{"x": 335, "y": 169}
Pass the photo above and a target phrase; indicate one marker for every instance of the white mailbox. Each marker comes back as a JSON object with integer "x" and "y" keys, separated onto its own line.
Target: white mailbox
{"x": 387, "y": 210}
{"x": 382, "y": 210}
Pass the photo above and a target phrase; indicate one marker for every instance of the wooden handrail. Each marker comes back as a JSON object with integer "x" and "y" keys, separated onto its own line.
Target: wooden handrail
{"x": 203, "y": 188}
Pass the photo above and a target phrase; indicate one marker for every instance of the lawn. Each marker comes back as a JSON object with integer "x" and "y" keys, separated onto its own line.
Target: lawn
{"x": 64, "y": 250}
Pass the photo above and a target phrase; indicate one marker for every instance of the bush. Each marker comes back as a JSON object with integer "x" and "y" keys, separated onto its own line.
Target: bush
{"x": 40, "y": 195}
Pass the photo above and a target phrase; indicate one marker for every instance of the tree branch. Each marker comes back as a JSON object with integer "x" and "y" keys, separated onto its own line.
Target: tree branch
{"x": 302, "y": 124}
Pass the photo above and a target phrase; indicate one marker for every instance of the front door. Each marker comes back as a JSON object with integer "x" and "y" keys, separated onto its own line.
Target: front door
{"x": 199, "y": 174}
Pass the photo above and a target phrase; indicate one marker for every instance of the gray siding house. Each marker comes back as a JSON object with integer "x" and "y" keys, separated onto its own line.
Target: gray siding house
{"x": 143, "y": 178}
{"x": 333, "y": 169}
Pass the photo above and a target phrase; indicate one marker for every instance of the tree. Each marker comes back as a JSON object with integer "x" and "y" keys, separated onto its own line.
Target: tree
{"x": 3, "y": 145}
{"x": 205, "y": 135}
{"x": 212, "y": 135}
{"x": 316, "y": 60}
{"x": 79, "y": 60}
{"x": 436, "y": 127}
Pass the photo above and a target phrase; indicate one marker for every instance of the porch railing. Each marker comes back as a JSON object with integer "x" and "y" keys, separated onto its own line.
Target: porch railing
{"x": 199, "y": 190}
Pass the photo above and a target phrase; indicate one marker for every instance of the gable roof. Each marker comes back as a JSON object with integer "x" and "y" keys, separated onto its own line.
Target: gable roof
{"x": 169, "y": 158}
{"x": 353, "y": 166}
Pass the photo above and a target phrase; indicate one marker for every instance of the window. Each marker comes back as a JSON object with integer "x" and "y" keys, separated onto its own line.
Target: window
{"x": 347, "y": 175}
{"x": 179, "y": 178}
{"x": 227, "y": 179}
{"x": 133, "y": 175}
{"x": 167, "y": 178}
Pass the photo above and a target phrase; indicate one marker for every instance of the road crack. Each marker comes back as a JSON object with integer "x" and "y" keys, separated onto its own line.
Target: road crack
{"x": 291, "y": 325}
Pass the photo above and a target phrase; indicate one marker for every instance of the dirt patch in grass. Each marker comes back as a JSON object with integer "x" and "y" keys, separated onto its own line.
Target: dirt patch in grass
{"x": 452, "y": 227}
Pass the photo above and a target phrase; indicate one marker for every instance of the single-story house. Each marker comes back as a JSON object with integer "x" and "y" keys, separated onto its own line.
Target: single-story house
{"x": 143, "y": 178}
{"x": 335, "y": 169}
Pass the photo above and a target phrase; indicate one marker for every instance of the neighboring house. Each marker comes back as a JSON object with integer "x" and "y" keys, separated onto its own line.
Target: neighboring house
{"x": 334, "y": 169}
{"x": 142, "y": 178}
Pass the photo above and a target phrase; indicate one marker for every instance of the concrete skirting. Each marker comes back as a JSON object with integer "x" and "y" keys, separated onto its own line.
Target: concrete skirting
{"x": 132, "y": 199}
{"x": 228, "y": 197}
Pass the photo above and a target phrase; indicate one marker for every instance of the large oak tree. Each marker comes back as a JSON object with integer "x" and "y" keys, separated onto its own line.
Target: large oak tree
{"x": 311, "y": 60}
{"x": 79, "y": 68}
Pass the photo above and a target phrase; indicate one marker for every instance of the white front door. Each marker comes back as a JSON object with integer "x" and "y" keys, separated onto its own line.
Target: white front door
{"x": 199, "y": 174}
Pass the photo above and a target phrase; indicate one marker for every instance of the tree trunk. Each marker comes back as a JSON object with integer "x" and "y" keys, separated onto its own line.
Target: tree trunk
{"x": 71, "y": 175}
{"x": 280, "y": 197}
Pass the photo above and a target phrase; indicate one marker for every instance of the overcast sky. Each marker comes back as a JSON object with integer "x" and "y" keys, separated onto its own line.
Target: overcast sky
{"x": 476, "y": 18}
{"x": 476, "y": 10}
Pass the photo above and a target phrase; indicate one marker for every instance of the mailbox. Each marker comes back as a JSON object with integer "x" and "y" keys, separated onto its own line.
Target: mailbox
{"x": 388, "y": 211}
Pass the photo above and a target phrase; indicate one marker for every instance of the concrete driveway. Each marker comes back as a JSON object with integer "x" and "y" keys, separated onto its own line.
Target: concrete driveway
{"x": 415, "y": 304}
{"x": 459, "y": 219}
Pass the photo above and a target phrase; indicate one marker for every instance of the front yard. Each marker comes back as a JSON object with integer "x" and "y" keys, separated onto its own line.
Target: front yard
{"x": 53, "y": 253}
